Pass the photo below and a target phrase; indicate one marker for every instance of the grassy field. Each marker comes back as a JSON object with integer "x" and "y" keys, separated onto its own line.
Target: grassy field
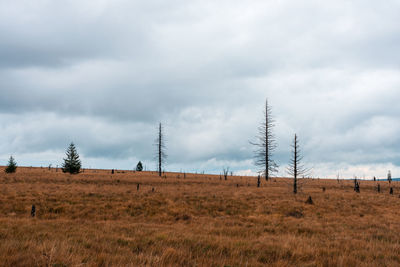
{"x": 98, "y": 219}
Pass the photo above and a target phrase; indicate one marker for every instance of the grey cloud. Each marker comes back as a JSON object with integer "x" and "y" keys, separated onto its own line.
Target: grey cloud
{"x": 63, "y": 33}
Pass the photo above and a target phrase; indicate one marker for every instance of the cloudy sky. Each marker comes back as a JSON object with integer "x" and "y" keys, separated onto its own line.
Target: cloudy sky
{"x": 104, "y": 73}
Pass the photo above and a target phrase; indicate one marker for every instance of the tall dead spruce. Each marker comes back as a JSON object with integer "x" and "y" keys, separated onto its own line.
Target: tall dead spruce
{"x": 160, "y": 144}
{"x": 296, "y": 168}
{"x": 265, "y": 145}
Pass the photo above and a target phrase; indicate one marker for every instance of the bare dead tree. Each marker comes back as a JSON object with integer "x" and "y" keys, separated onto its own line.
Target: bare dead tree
{"x": 265, "y": 145}
{"x": 296, "y": 168}
{"x": 389, "y": 176}
{"x": 226, "y": 171}
{"x": 160, "y": 144}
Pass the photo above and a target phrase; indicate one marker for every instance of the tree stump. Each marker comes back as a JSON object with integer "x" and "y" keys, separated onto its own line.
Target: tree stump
{"x": 356, "y": 186}
{"x": 309, "y": 200}
{"x": 33, "y": 211}
{"x": 391, "y": 191}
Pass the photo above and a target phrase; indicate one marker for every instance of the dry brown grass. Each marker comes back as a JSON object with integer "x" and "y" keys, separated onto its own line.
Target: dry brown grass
{"x": 99, "y": 219}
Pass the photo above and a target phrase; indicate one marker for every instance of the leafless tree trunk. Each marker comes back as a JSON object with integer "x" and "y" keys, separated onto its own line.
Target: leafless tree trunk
{"x": 296, "y": 168}
{"x": 265, "y": 145}
{"x": 226, "y": 171}
{"x": 389, "y": 177}
{"x": 160, "y": 144}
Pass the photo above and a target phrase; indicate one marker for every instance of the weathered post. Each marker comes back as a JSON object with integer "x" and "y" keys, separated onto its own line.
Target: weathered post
{"x": 33, "y": 211}
{"x": 258, "y": 181}
{"x": 356, "y": 186}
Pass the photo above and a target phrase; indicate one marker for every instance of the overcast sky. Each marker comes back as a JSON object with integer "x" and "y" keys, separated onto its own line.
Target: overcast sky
{"x": 104, "y": 73}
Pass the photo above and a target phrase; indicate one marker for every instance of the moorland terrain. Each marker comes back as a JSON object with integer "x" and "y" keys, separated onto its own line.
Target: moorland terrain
{"x": 96, "y": 218}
